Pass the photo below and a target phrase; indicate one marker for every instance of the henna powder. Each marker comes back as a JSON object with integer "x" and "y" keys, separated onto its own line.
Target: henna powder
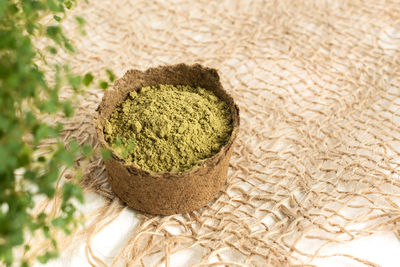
{"x": 168, "y": 128}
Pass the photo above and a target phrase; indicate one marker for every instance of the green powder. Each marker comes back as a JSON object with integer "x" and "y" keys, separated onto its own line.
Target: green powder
{"x": 169, "y": 128}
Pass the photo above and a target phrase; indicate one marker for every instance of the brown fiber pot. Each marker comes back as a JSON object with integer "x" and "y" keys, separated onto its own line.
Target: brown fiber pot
{"x": 167, "y": 193}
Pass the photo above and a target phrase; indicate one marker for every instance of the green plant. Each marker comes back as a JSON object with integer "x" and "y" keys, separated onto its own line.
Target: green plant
{"x": 27, "y": 98}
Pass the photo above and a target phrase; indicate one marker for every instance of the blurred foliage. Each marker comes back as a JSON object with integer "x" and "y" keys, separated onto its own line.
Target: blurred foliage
{"x": 27, "y": 96}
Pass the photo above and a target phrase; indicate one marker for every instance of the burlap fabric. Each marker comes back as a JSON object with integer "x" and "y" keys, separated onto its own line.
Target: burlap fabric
{"x": 318, "y": 154}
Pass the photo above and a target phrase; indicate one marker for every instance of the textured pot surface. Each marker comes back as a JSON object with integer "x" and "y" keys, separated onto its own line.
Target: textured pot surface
{"x": 167, "y": 193}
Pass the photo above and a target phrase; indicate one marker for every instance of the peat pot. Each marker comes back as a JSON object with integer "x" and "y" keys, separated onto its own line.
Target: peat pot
{"x": 167, "y": 193}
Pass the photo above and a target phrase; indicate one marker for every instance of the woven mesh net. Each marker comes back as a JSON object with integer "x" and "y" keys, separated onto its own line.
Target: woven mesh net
{"x": 317, "y": 160}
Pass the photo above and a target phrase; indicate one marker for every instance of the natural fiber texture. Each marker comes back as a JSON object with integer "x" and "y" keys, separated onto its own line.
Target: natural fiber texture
{"x": 317, "y": 159}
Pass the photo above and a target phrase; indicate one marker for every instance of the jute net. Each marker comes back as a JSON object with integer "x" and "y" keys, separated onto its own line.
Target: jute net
{"x": 317, "y": 160}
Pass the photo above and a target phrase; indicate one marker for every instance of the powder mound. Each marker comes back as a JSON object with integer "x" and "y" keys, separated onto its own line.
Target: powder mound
{"x": 168, "y": 128}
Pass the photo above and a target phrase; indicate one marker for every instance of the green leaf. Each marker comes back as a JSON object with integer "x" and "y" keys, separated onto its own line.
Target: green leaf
{"x": 47, "y": 256}
{"x": 66, "y": 156}
{"x": 30, "y": 28}
{"x": 68, "y": 4}
{"x": 54, "y": 6}
{"x": 13, "y": 9}
{"x": 87, "y": 79}
{"x": 69, "y": 46}
{"x": 16, "y": 238}
{"x": 54, "y": 33}
{"x": 80, "y": 20}
{"x": 6, "y": 255}
{"x": 46, "y": 231}
{"x": 73, "y": 146}
{"x": 50, "y": 106}
{"x": 24, "y": 157}
{"x": 68, "y": 109}
{"x": 53, "y": 30}
{"x": 54, "y": 243}
{"x": 72, "y": 191}
{"x": 86, "y": 150}
{"x": 42, "y": 216}
{"x": 46, "y": 186}
{"x": 30, "y": 175}
{"x": 53, "y": 50}
{"x": 111, "y": 75}
{"x": 58, "y": 222}
{"x": 44, "y": 258}
{"x": 103, "y": 84}
{"x": 75, "y": 81}
{"x": 57, "y": 18}
{"x": 106, "y": 154}
{"x": 41, "y": 132}
{"x": 59, "y": 127}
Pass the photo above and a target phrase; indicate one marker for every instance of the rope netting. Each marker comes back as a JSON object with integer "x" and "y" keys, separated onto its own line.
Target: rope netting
{"x": 317, "y": 159}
